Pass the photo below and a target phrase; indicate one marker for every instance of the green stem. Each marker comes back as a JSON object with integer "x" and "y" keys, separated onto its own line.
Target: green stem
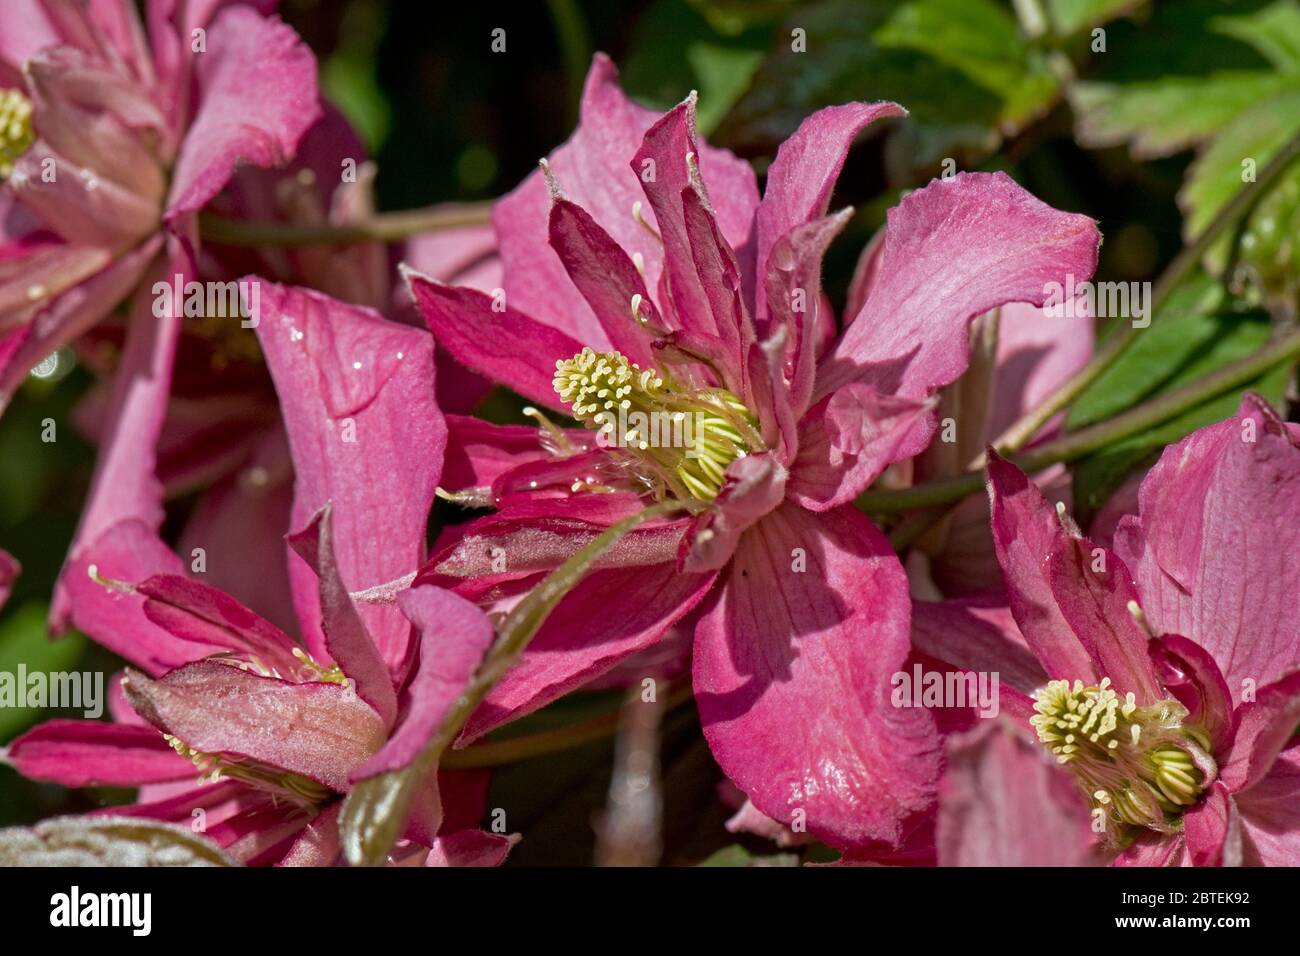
{"x": 381, "y": 227}
{"x": 1077, "y": 444}
{"x": 1019, "y": 433}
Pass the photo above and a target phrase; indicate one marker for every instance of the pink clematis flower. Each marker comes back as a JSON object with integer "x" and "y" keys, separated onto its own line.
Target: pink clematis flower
{"x": 268, "y": 714}
{"x": 1171, "y": 662}
{"x": 643, "y": 273}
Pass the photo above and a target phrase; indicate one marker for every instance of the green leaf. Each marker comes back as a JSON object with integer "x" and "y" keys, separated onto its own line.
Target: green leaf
{"x": 1256, "y": 134}
{"x": 24, "y": 639}
{"x": 1070, "y": 16}
{"x": 965, "y": 88}
{"x": 1169, "y": 114}
{"x": 723, "y": 73}
{"x": 980, "y": 39}
{"x": 107, "y": 841}
{"x": 1273, "y": 31}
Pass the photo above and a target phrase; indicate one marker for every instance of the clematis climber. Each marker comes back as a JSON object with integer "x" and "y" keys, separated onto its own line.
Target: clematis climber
{"x": 643, "y": 274}
{"x": 1171, "y": 688}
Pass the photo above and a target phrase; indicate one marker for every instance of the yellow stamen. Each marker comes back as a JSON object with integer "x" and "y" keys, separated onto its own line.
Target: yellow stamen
{"x": 16, "y": 133}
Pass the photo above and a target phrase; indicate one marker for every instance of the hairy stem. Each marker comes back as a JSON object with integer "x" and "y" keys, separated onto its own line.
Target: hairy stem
{"x": 381, "y": 227}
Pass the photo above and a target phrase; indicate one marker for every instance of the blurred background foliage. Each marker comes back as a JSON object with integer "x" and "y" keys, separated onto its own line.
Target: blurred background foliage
{"x": 1139, "y": 114}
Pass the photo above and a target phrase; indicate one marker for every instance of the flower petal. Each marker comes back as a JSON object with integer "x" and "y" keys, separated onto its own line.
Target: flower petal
{"x": 1216, "y": 552}
{"x": 1187, "y": 671}
{"x": 1094, "y": 591}
{"x": 802, "y": 177}
{"x": 1026, "y": 530}
{"x": 257, "y": 97}
{"x": 503, "y": 345}
{"x": 792, "y": 669}
{"x": 320, "y": 730}
{"x": 1265, "y": 726}
{"x": 1270, "y": 815}
{"x": 91, "y": 753}
{"x": 1003, "y": 802}
{"x": 608, "y": 616}
{"x": 356, "y": 392}
{"x": 346, "y": 638}
{"x": 454, "y": 636}
{"x": 848, "y": 439}
{"x": 953, "y": 250}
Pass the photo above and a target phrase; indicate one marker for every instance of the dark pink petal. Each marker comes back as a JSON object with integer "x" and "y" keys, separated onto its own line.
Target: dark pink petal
{"x": 793, "y": 289}
{"x": 666, "y": 178}
{"x": 1265, "y": 726}
{"x": 802, "y": 177}
{"x": 9, "y": 571}
{"x": 257, "y": 96}
{"x": 792, "y": 670}
{"x": 198, "y": 613}
{"x": 356, "y": 393}
{"x": 505, "y": 346}
{"x": 608, "y": 616}
{"x": 1270, "y": 815}
{"x": 471, "y": 848}
{"x": 1216, "y": 553}
{"x": 320, "y": 730}
{"x": 754, "y": 485}
{"x": 106, "y": 215}
{"x": 319, "y": 843}
{"x": 90, "y": 753}
{"x": 345, "y": 634}
{"x": 454, "y": 636}
{"x": 720, "y": 280}
{"x": 592, "y": 169}
{"x": 1094, "y": 591}
{"x": 479, "y": 452}
{"x": 848, "y": 439}
{"x": 954, "y": 250}
{"x": 125, "y": 487}
{"x": 977, "y": 638}
{"x": 1026, "y": 530}
{"x": 1205, "y": 827}
{"x": 605, "y": 276}
{"x": 1154, "y": 849}
{"x": 115, "y": 618}
{"x": 464, "y": 256}
{"x": 530, "y": 536}
{"x": 1188, "y": 672}
{"x": 1004, "y": 802}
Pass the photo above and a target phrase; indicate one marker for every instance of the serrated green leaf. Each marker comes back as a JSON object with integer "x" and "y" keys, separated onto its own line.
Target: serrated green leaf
{"x": 1257, "y": 134}
{"x": 24, "y": 639}
{"x": 1185, "y": 339}
{"x": 1170, "y": 114}
{"x": 980, "y": 39}
{"x": 1273, "y": 31}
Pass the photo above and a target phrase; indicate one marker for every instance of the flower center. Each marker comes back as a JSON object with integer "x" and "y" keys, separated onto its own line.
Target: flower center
{"x": 1132, "y": 761}
{"x": 681, "y": 437}
{"x": 16, "y": 133}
